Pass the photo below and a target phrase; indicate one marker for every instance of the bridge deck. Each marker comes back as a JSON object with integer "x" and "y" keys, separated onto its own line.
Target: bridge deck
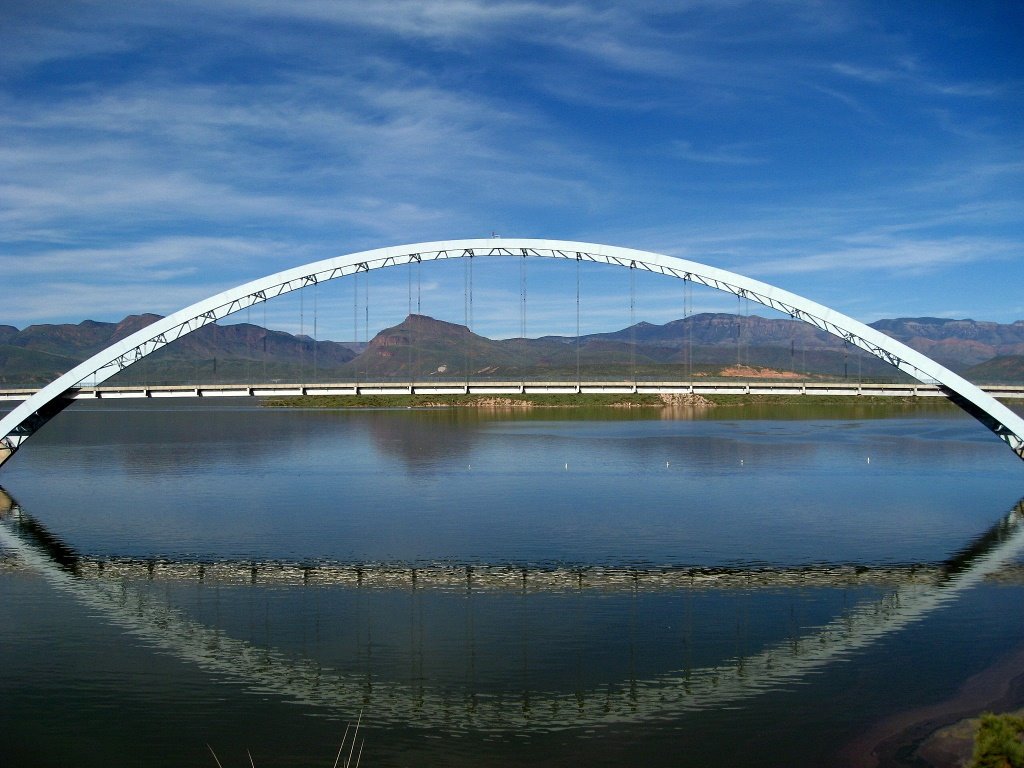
{"x": 276, "y": 389}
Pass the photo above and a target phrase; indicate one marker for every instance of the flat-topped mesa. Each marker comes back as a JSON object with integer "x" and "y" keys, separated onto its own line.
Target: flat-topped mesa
{"x": 24, "y": 420}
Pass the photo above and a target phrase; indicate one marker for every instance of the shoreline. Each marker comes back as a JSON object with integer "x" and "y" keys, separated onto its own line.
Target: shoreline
{"x": 941, "y": 734}
{"x": 572, "y": 400}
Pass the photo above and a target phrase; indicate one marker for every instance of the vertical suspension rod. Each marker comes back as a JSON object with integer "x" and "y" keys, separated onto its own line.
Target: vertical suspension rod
{"x": 419, "y": 306}
{"x": 632, "y": 320}
{"x": 409, "y": 321}
{"x": 302, "y": 332}
{"x": 366, "y": 314}
{"x": 522, "y": 319}
{"x": 688, "y": 328}
{"x": 355, "y": 325}
{"x": 578, "y": 375}
{"x": 316, "y": 318}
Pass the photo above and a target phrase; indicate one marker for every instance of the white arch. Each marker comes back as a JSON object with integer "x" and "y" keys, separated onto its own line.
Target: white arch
{"x": 666, "y": 695}
{"x": 22, "y": 422}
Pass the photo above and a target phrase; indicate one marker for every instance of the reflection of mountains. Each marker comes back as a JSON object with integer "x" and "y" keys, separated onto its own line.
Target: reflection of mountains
{"x": 209, "y": 433}
{"x": 537, "y": 707}
{"x": 147, "y": 439}
{"x": 426, "y": 438}
{"x": 153, "y": 439}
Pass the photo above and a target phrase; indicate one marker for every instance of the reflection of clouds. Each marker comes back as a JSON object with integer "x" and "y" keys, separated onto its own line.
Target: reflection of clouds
{"x": 305, "y": 681}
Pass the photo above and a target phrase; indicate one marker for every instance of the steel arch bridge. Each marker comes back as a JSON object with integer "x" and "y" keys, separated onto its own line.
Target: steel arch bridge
{"x": 26, "y": 419}
{"x": 670, "y": 693}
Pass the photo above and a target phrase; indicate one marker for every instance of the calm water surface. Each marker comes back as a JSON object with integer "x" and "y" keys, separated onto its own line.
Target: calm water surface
{"x": 557, "y": 587}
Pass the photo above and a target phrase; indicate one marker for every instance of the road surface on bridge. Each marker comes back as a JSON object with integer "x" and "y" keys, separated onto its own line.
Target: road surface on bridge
{"x": 277, "y": 389}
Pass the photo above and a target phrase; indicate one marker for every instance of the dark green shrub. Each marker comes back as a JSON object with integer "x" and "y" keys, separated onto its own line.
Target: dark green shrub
{"x": 999, "y": 742}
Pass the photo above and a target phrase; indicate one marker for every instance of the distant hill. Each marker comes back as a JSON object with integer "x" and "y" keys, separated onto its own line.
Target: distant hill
{"x": 229, "y": 353}
{"x": 1005, "y": 369}
{"x": 722, "y": 329}
{"x": 29, "y": 368}
{"x": 703, "y": 344}
{"x": 958, "y": 344}
{"x": 422, "y": 347}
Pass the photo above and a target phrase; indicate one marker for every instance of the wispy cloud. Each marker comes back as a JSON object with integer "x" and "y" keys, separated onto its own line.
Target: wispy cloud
{"x": 157, "y": 260}
{"x": 908, "y": 73}
{"x": 184, "y": 143}
{"x": 728, "y": 154}
{"x": 907, "y": 257}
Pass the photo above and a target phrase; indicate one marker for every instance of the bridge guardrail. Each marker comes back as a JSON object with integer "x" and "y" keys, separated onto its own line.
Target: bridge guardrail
{"x": 515, "y": 388}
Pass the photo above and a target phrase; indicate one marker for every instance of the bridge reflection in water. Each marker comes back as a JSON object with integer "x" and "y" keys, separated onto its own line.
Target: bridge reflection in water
{"x": 116, "y": 590}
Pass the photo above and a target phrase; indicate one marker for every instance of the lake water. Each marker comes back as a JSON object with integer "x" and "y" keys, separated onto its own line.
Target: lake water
{"x": 739, "y": 587}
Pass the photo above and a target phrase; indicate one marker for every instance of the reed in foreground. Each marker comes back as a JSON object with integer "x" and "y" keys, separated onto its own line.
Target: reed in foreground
{"x": 339, "y": 762}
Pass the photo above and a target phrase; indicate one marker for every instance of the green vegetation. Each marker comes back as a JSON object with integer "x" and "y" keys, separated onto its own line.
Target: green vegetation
{"x": 999, "y": 742}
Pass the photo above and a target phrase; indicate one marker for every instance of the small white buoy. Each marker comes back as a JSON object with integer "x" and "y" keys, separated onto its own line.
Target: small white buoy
{"x": 566, "y": 465}
{"x": 741, "y": 462}
{"x": 666, "y": 465}
{"x": 869, "y": 459}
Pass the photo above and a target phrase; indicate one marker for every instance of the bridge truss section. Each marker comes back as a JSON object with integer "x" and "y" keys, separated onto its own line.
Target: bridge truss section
{"x": 22, "y": 422}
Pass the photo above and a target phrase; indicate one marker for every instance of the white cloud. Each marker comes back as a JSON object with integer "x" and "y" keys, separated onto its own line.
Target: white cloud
{"x": 897, "y": 256}
{"x": 726, "y": 154}
{"x": 285, "y": 132}
{"x": 154, "y": 261}
{"x": 910, "y": 73}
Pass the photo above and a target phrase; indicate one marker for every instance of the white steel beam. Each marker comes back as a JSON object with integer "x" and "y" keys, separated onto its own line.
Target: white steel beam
{"x": 34, "y": 412}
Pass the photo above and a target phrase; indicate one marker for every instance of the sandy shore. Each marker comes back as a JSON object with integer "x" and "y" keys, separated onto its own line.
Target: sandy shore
{"x": 940, "y": 735}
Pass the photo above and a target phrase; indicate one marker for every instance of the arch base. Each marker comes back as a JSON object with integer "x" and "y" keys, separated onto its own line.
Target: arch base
{"x": 22, "y": 422}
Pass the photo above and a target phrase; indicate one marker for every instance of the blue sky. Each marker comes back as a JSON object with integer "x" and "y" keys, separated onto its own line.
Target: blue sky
{"x": 867, "y": 155}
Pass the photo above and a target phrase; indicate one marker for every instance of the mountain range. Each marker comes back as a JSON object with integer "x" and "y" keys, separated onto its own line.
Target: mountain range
{"x": 421, "y": 347}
